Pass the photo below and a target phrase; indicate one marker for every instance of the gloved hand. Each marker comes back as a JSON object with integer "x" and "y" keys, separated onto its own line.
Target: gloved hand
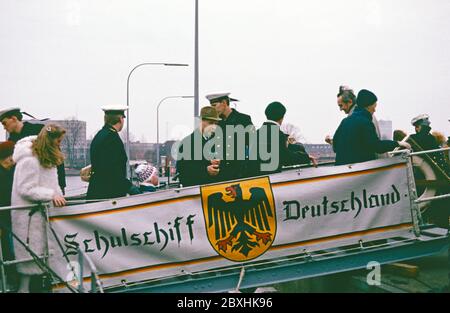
{"x": 404, "y": 145}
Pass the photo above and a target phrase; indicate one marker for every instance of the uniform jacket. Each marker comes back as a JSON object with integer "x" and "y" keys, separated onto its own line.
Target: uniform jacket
{"x": 234, "y": 169}
{"x": 109, "y": 166}
{"x": 356, "y": 139}
{"x": 31, "y": 129}
{"x": 32, "y": 184}
{"x": 425, "y": 141}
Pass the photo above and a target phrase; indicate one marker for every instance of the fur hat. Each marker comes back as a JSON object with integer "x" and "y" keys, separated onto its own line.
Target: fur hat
{"x": 6, "y": 149}
{"x": 145, "y": 171}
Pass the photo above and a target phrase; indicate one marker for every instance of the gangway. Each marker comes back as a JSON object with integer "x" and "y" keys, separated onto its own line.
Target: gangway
{"x": 386, "y": 228}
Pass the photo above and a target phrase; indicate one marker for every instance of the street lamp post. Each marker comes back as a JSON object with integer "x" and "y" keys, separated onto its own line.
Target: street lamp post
{"x": 196, "y": 73}
{"x": 128, "y": 102}
{"x": 157, "y": 124}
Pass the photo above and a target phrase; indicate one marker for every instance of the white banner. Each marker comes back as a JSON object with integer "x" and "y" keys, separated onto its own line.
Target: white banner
{"x": 194, "y": 229}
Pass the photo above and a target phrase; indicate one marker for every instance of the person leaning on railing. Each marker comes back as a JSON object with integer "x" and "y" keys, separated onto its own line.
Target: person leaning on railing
{"x": 423, "y": 140}
{"x": 147, "y": 176}
{"x": 35, "y": 181}
{"x": 286, "y": 154}
{"x": 356, "y": 138}
{"x": 346, "y": 101}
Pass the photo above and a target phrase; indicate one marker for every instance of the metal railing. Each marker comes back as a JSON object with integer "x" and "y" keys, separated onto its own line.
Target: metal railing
{"x": 42, "y": 260}
{"x": 96, "y": 284}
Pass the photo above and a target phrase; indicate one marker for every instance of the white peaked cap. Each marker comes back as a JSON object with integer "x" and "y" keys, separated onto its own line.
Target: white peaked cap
{"x": 114, "y": 107}
{"x": 213, "y": 96}
{"x": 421, "y": 117}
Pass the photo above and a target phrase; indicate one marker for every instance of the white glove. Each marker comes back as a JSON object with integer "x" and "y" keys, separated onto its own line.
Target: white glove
{"x": 404, "y": 145}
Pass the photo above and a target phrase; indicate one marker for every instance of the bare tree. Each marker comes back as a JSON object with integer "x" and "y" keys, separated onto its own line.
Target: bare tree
{"x": 123, "y": 136}
{"x": 72, "y": 141}
{"x": 150, "y": 156}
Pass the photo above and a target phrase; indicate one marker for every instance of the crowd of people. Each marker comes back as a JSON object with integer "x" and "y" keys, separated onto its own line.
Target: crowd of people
{"x": 225, "y": 146}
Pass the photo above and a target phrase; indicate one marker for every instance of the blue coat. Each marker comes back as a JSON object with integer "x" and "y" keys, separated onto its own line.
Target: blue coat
{"x": 356, "y": 139}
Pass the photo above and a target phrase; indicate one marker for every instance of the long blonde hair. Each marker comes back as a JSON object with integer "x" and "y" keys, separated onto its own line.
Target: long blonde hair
{"x": 45, "y": 147}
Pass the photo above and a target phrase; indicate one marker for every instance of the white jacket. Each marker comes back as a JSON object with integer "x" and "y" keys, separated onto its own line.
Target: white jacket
{"x": 32, "y": 183}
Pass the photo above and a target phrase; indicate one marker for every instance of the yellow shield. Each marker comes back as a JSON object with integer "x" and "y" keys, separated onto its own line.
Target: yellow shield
{"x": 240, "y": 217}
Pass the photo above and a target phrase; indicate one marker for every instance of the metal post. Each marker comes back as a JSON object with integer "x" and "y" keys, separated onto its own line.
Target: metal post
{"x": 47, "y": 251}
{"x": 80, "y": 274}
{"x": 415, "y": 211}
{"x": 2, "y": 267}
{"x": 157, "y": 125}
{"x": 93, "y": 283}
{"x": 196, "y": 84}
{"x": 168, "y": 174}
{"x": 448, "y": 258}
{"x": 128, "y": 104}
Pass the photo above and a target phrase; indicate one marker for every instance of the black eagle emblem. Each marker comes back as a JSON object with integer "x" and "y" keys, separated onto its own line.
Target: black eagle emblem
{"x": 236, "y": 222}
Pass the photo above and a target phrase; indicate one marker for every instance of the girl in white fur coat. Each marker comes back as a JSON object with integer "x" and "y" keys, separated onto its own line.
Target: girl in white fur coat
{"x": 35, "y": 180}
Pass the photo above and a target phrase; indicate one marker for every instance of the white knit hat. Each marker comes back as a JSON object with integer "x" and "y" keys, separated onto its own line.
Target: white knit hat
{"x": 145, "y": 171}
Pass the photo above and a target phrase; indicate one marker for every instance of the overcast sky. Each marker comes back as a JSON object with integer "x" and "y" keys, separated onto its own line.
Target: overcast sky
{"x": 65, "y": 58}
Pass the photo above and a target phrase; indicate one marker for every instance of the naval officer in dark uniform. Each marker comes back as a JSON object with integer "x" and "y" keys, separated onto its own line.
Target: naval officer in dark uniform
{"x": 232, "y": 166}
{"x": 108, "y": 158}
{"x": 17, "y": 129}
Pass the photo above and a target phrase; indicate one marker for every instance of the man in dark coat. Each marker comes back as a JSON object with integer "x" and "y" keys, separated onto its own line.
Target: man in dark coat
{"x": 6, "y": 179}
{"x": 235, "y": 161}
{"x": 422, "y": 140}
{"x": 109, "y": 159}
{"x": 193, "y": 166}
{"x": 356, "y": 139}
{"x": 422, "y": 137}
{"x": 439, "y": 210}
{"x": 273, "y": 144}
{"x": 12, "y": 122}
{"x": 6, "y": 172}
